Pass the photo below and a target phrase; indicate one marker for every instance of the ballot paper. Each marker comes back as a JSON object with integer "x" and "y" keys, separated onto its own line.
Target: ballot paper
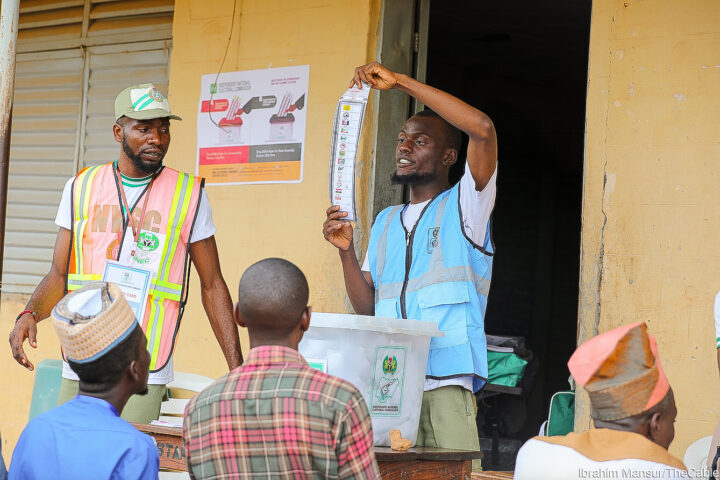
{"x": 172, "y": 422}
{"x": 347, "y": 126}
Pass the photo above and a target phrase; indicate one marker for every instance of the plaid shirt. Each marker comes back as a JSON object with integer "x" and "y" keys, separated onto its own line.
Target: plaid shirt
{"x": 275, "y": 417}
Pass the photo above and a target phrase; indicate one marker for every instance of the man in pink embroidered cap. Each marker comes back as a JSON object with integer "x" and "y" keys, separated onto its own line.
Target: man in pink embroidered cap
{"x": 633, "y": 410}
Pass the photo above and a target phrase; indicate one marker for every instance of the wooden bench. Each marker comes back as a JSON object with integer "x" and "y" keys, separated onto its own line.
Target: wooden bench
{"x": 416, "y": 463}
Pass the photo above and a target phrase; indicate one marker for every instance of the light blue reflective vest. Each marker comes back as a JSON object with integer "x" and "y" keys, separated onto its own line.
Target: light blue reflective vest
{"x": 435, "y": 273}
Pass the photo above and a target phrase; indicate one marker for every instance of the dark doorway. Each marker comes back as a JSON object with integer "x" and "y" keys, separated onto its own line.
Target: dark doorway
{"x": 524, "y": 62}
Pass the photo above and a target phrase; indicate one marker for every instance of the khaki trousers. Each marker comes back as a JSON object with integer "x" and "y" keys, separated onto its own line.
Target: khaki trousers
{"x": 447, "y": 420}
{"x": 138, "y": 409}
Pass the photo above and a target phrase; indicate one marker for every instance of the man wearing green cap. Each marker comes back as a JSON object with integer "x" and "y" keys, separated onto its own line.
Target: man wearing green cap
{"x": 169, "y": 225}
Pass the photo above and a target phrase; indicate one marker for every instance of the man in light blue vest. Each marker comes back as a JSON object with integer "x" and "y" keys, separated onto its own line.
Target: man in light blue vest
{"x": 431, "y": 259}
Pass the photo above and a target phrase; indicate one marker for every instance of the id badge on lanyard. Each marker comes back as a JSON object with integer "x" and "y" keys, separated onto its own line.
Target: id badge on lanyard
{"x": 133, "y": 282}
{"x": 139, "y": 248}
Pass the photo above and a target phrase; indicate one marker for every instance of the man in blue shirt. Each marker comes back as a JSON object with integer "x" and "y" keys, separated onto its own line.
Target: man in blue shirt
{"x": 85, "y": 438}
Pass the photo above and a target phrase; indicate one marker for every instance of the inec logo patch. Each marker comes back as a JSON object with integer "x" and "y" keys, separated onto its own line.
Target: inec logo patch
{"x": 433, "y": 240}
{"x": 148, "y": 241}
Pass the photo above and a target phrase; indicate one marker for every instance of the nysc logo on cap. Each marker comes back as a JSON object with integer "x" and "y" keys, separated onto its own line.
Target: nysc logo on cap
{"x": 143, "y": 102}
{"x": 148, "y": 98}
{"x": 155, "y": 94}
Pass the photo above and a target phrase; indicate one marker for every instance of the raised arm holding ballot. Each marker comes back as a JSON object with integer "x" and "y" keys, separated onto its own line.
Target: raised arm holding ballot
{"x": 431, "y": 259}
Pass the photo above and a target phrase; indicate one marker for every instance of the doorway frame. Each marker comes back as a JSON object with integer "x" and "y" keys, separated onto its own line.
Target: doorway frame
{"x": 402, "y": 42}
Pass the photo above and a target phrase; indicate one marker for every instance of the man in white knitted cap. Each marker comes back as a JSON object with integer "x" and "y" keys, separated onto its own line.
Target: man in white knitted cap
{"x": 85, "y": 438}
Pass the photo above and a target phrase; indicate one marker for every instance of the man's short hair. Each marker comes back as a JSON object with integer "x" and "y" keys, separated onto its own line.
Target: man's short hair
{"x": 272, "y": 296}
{"x": 453, "y": 135}
{"x": 108, "y": 369}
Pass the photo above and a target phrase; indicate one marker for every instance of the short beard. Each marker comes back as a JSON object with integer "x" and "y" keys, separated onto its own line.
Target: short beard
{"x": 137, "y": 160}
{"x": 412, "y": 179}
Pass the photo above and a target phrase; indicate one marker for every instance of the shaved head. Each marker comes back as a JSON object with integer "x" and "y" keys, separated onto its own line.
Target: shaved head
{"x": 272, "y": 297}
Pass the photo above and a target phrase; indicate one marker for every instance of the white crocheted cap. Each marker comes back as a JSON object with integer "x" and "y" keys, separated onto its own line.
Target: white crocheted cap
{"x": 91, "y": 320}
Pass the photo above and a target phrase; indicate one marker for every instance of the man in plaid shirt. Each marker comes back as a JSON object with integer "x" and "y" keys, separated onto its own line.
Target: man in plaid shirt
{"x": 274, "y": 416}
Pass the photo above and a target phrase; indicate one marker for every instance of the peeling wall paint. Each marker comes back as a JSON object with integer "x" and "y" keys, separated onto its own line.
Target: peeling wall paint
{"x": 651, "y": 202}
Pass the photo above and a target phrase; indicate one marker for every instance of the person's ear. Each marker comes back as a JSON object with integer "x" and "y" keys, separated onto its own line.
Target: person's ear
{"x": 134, "y": 371}
{"x": 655, "y": 425}
{"x": 450, "y": 157}
{"x": 305, "y": 319}
{"x": 118, "y": 132}
{"x": 238, "y": 318}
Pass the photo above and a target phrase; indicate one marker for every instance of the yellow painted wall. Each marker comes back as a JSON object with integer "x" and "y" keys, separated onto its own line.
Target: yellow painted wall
{"x": 253, "y": 222}
{"x": 259, "y": 221}
{"x": 651, "y": 213}
{"x": 651, "y": 206}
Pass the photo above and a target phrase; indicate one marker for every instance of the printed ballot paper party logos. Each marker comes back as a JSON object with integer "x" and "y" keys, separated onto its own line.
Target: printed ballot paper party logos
{"x": 388, "y": 381}
{"x": 347, "y": 127}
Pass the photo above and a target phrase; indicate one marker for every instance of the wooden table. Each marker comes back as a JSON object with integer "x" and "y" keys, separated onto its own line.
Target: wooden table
{"x": 169, "y": 443}
{"x": 425, "y": 463}
{"x": 491, "y": 476}
{"x": 416, "y": 463}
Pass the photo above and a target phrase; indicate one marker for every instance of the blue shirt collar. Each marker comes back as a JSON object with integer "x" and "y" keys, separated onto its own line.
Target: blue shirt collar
{"x": 99, "y": 402}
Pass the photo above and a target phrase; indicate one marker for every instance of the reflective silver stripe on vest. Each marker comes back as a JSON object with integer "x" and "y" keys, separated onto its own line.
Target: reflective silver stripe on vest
{"x": 436, "y": 273}
{"x": 462, "y": 273}
{"x": 176, "y": 218}
{"x": 80, "y": 283}
{"x": 169, "y": 290}
{"x": 436, "y": 257}
{"x": 156, "y": 309}
{"x": 166, "y": 261}
{"x": 83, "y": 218}
{"x": 382, "y": 246}
{"x": 83, "y": 188}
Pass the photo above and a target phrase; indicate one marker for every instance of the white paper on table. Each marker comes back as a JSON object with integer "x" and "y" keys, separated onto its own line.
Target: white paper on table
{"x": 349, "y": 115}
{"x": 175, "y": 423}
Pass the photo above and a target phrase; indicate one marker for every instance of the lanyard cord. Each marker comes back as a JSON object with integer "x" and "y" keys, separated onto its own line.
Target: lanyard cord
{"x": 126, "y": 207}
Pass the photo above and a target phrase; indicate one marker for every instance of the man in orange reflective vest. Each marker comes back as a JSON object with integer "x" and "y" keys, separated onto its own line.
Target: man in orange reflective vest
{"x": 169, "y": 225}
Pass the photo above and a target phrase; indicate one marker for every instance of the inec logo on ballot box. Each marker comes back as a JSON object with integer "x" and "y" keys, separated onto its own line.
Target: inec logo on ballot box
{"x": 390, "y": 365}
{"x": 148, "y": 241}
{"x": 388, "y": 381}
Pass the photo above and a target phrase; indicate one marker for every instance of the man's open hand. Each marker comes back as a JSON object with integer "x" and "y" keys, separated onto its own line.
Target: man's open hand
{"x": 376, "y": 75}
{"x": 336, "y": 231}
{"x": 24, "y": 328}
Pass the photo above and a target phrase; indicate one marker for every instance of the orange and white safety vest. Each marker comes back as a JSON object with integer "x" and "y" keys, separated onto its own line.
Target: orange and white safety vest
{"x": 98, "y": 226}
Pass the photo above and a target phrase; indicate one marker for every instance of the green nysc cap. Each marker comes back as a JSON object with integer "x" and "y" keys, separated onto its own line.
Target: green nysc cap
{"x": 143, "y": 102}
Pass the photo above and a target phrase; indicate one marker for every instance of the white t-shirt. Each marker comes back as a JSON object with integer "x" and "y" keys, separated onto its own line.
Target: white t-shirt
{"x": 538, "y": 460}
{"x": 134, "y": 187}
{"x": 476, "y": 209}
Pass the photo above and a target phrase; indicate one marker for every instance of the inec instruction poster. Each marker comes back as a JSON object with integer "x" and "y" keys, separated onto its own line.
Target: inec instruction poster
{"x": 251, "y": 126}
